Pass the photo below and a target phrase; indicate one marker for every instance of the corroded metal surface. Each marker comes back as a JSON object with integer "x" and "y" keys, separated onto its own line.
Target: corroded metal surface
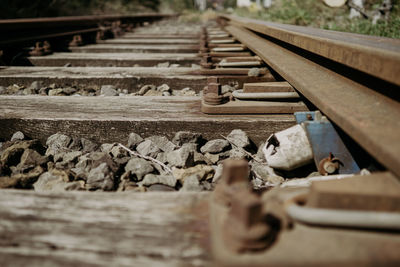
{"x": 371, "y": 118}
{"x": 377, "y": 56}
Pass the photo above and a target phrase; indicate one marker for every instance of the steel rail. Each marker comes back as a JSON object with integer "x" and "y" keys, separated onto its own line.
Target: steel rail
{"x": 377, "y": 56}
{"x": 29, "y": 23}
{"x": 26, "y": 31}
{"x": 371, "y": 118}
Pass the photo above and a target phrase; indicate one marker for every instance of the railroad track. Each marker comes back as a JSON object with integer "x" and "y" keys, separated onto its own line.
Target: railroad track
{"x": 84, "y": 89}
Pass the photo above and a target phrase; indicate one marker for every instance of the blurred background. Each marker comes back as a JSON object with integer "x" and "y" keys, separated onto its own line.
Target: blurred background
{"x": 373, "y": 17}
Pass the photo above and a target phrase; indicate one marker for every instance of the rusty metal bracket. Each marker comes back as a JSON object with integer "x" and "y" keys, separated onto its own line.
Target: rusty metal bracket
{"x": 253, "y": 229}
{"x": 330, "y": 153}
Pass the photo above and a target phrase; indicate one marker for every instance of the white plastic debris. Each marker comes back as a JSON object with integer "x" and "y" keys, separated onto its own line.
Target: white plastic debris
{"x": 288, "y": 149}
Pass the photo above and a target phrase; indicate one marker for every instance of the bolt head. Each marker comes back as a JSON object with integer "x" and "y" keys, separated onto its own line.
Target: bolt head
{"x": 235, "y": 171}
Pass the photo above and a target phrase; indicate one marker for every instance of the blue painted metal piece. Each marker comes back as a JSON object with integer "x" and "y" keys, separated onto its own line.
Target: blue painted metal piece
{"x": 304, "y": 116}
{"x": 324, "y": 140}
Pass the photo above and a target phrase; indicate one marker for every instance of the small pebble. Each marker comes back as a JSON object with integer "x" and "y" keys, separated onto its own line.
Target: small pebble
{"x": 17, "y": 136}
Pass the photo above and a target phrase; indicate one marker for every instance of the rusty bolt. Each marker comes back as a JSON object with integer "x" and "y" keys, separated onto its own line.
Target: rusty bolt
{"x": 329, "y": 165}
{"x": 47, "y": 48}
{"x": 212, "y": 92}
{"x": 212, "y": 79}
{"x": 235, "y": 177}
{"x": 235, "y": 171}
{"x": 100, "y": 36}
{"x": 245, "y": 228}
{"x": 206, "y": 62}
{"x": 76, "y": 40}
{"x": 38, "y": 50}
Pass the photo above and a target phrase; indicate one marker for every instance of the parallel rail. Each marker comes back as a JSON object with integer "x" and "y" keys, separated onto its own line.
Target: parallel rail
{"x": 353, "y": 79}
{"x": 20, "y": 32}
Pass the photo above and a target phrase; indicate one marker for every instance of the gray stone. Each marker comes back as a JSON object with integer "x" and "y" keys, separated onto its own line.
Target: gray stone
{"x": 43, "y": 91}
{"x": 146, "y": 88}
{"x": 162, "y": 142}
{"x": 239, "y": 138}
{"x": 28, "y": 91}
{"x": 215, "y": 146}
{"x": 75, "y": 144}
{"x": 56, "y": 92}
{"x": 184, "y": 137}
{"x": 69, "y": 90}
{"x": 92, "y": 160}
{"x": 260, "y": 154}
{"x": 57, "y": 143}
{"x": 153, "y": 93}
{"x": 139, "y": 167}
{"x": 254, "y": 72}
{"x": 151, "y": 179}
{"x": 266, "y": 173}
{"x": 163, "y": 65}
{"x": 1, "y": 145}
{"x": 162, "y": 156}
{"x": 108, "y": 90}
{"x": 227, "y": 89}
{"x": 100, "y": 177}
{"x": 164, "y": 88}
{"x": 192, "y": 184}
{"x": 237, "y": 153}
{"x": 213, "y": 158}
{"x": 17, "y": 136}
{"x": 182, "y": 157}
{"x": 200, "y": 159}
{"x": 118, "y": 152}
{"x": 68, "y": 156}
{"x": 166, "y": 94}
{"x": 31, "y": 158}
{"x": 203, "y": 171}
{"x": 125, "y": 91}
{"x": 36, "y": 85}
{"x": 148, "y": 148}
{"x": 218, "y": 173}
{"x": 56, "y": 180}
{"x": 106, "y": 147}
{"x": 88, "y": 146}
{"x": 3, "y": 90}
{"x": 206, "y": 186}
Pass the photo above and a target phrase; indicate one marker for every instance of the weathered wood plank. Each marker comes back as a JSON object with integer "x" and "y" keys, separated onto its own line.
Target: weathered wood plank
{"x": 107, "y": 229}
{"x": 158, "y": 36}
{"x": 131, "y": 78}
{"x": 123, "y": 77}
{"x": 182, "y": 48}
{"x": 111, "y": 119}
{"x": 151, "y": 41}
{"x": 114, "y": 59}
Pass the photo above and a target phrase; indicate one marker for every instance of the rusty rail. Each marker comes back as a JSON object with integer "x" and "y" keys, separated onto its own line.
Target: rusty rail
{"x": 353, "y": 79}
{"x": 20, "y": 32}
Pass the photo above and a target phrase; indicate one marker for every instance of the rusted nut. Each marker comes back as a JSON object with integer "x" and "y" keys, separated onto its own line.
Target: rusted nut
{"x": 212, "y": 79}
{"x": 329, "y": 165}
{"x": 100, "y": 36}
{"x": 206, "y": 62}
{"x": 245, "y": 228}
{"x": 235, "y": 177}
{"x": 213, "y": 99}
{"x": 76, "y": 40}
{"x": 47, "y": 48}
{"x": 38, "y": 50}
{"x": 235, "y": 171}
{"x": 214, "y": 88}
